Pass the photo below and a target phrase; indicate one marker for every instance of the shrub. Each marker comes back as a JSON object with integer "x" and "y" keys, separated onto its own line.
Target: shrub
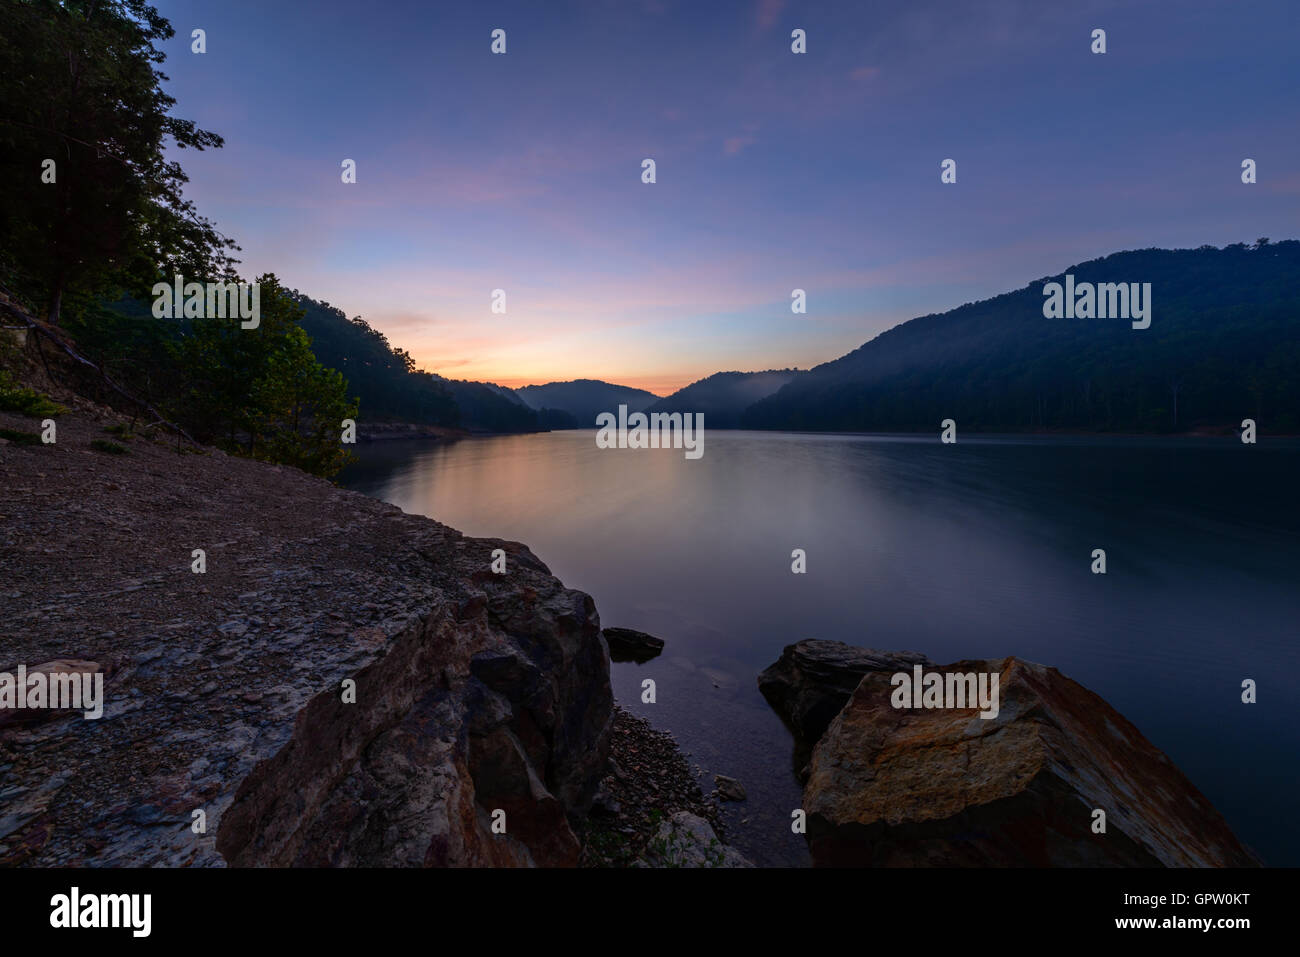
{"x": 16, "y": 398}
{"x": 22, "y": 438}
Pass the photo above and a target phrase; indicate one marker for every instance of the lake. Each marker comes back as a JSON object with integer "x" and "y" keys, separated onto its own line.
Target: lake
{"x": 975, "y": 550}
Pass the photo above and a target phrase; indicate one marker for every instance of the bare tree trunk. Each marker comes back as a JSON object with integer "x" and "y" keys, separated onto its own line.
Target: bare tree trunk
{"x": 56, "y": 302}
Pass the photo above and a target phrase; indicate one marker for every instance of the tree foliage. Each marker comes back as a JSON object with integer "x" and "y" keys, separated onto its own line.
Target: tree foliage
{"x": 383, "y": 377}
{"x": 261, "y": 392}
{"x": 80, "y": 87}
{"x": 391, "y": 387}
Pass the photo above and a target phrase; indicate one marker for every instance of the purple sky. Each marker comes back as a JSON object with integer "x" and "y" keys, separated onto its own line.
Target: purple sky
{"x": 775, "y": 171}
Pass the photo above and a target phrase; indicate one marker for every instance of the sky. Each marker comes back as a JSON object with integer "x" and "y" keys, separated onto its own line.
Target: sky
{"x": 775, "y": 171}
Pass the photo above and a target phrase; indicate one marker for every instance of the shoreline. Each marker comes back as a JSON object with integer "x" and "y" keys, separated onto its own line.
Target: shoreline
{"x": 1035, "y": 433}
{"x": 368, "y": 433}
{"x": 649, "y": 781}
{"x": 223, "y": 638}
{"x": 489, "y": 690}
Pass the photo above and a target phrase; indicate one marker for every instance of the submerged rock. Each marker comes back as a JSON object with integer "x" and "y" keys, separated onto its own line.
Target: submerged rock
{"x": 729, "y": 789}
{"x": 941, "y": 786}
{"x": 626, "y": 644}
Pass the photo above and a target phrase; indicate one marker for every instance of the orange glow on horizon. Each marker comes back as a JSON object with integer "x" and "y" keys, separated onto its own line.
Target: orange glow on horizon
{"x": 660, "y": 385}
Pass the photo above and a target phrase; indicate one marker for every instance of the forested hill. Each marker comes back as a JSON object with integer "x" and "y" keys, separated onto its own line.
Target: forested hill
{"x": 383, "y": 377}
{"x": 584, "y": 399}
{"x": 1223, "y": 345}
{"x": 724, "y": 396}
{"x": 390, "y": 388}
{"x": 84, "y": 245}
{"x": 142, "y": 350}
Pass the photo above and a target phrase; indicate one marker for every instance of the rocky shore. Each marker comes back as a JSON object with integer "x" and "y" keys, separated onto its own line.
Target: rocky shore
{"x": 294, "y": 674}
{"x": 299, "y": 675}
{"x": 649, "y": 785}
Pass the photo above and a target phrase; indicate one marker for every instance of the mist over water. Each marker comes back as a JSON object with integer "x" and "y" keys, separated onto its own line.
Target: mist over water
{"x": 975, "y": 550}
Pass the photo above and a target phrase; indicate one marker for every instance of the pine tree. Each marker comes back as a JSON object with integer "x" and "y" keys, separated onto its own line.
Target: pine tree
{"x": 92, "y": 205}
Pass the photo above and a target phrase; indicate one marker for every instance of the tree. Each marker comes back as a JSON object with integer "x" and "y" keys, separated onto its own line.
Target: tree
{"x": 298, "y": 409}
{"x": 93, "y": 205}
{"x": 260, "y": 392}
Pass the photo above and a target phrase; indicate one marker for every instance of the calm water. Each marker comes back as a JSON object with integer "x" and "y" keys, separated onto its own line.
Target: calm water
{"x": 976, "y": 550}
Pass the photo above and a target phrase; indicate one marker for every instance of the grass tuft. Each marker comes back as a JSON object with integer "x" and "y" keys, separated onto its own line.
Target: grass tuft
{"x": 21, "y": 438}
{"x": 25, "y": 401}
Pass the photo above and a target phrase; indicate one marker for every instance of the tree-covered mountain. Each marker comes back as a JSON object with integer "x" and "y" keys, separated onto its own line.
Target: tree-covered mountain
{"x": 584, "y": 399}
{"x": 142, "y": 352}
{"x": 724, "y": 396}
{"x": 1223, "y": 345}
{"x": 385, "y": 379}
{"x": 484, "y": 408}
{"x": 382, "y": 376}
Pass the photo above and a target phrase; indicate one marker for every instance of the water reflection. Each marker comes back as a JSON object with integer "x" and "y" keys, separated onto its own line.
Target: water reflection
{"x": 981, "y": 549}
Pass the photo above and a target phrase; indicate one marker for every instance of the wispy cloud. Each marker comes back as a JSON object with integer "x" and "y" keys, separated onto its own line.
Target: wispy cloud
{"x": 768, "y": 12}
{"x": 735, "y": 144}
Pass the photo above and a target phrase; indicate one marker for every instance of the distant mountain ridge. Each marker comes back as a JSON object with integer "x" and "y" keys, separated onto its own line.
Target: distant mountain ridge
{"x": 1223, "y": 345}
{"x": 724, "y": 396}
{"x": 390, "y": 387}
{"x": 584, "y": 399}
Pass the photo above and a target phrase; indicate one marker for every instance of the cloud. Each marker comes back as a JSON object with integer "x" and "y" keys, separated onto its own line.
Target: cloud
{"x": 768, "y": 11}
{"x": 747, "y": 136}
{"x": 734, "y": 144}
{"x": 1288, "y": 184}
{"x": 402, "y": 322}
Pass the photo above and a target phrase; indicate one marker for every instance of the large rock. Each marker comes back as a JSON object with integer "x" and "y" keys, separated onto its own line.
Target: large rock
{"x": 814, "y": 678}
{"x": 512, "y": 715}
{"x": 627, "y": 644}
{"x": 224, "y": 691}
{"x": 894, "y": 787}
